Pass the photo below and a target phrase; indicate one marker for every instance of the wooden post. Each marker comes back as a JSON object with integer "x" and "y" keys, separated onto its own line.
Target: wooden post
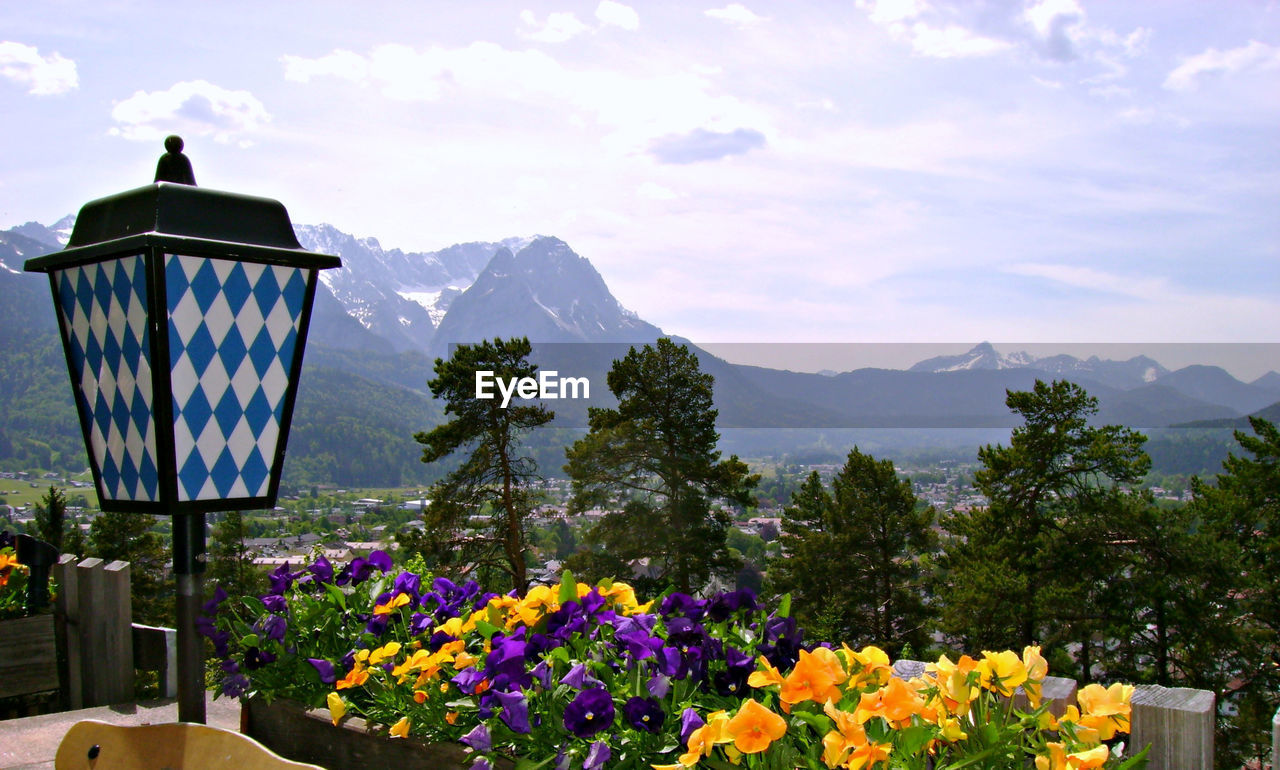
{"x": 106, "y": 632}
{"x": 1177, "y": 722}
{"x": 67, "y": 627}
{"x": 1275, "y": 740}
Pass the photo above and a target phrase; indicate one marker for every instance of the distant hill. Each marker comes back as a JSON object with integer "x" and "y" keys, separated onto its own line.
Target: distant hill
{"x": 381, "y": 320}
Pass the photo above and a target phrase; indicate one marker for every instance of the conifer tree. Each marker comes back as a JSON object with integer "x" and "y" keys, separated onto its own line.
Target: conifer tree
{"x": 854, "y": 557}
{"x": 653, "y": 461}
{"x": 478, "y": 513}
{"x": 1034, "y": 565}
{"x": 230, "y": 562}
{"x": 1242, "y": 512}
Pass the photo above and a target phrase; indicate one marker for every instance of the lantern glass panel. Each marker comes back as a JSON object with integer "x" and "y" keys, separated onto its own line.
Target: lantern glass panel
{"x": 104, "y": 312}
{"x": 233, "y": 332}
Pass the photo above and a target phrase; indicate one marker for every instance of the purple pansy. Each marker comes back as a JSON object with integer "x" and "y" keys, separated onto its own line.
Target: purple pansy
{"x": 589, "y": 713}
{"x": 515, "y": 710}
{"x": 478, "y": 739}
{"x": 643, "y": 714}
{"x": 597, "y": 755}
{"x": 325, "y": 669}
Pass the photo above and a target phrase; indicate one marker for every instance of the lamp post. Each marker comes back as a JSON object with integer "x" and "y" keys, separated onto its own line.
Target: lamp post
{"x": 184, "y": 314}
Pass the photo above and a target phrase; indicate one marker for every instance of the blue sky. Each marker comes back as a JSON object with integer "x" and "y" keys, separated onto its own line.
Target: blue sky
{"x": 887, "y": 171}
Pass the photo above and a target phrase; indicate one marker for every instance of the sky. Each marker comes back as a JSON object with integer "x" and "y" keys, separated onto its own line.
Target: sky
{"x": 885, "y": 171}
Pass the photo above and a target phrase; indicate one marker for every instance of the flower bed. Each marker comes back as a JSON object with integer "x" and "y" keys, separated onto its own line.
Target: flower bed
{"x": 578, "y": 676}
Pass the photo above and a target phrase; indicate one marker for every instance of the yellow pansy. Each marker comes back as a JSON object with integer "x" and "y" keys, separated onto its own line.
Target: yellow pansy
{"x": 401, "y": 729}
{"x": 337, "y": 707}
{"x": 1001, "y": 672}
{"x": 1037, "y": 669}
{"x": 395, "y": 603}
{"x": 388, "y": 650}
{"x": 1105, "y": 708}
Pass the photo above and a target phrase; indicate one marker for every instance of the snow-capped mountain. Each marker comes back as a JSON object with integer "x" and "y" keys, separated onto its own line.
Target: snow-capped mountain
{"x": 400, "y": 296}
{"x": 544, "y": 291}
{"x": 1135, "y": 372}
{"x": 536, "y": 287}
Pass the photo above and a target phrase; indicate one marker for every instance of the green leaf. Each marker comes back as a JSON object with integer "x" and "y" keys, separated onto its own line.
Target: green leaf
{"x": 1138, "y": 760}
{"x": 486, "y": 629}
{"x": 784, "y": 606}
{"x": 913, "y": 739}
{"x": 568, "y": 587}
{"x": 337, "y": 595}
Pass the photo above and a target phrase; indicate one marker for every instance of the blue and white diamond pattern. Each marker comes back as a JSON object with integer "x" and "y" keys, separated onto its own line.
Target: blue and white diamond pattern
{"x": 104, "y": 310}
{"x": 233, "y": 329}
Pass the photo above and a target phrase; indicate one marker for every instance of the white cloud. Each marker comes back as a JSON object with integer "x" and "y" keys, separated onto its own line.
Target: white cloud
{"x": 892, "y": 11}
{"x": 1251, "y": 57}
{"x": 343, "y": 64}
{"x": 195, "y": 107}
{"x": 42, "y": 75}
{"x": 735, "y": 13}
{"x": 616, "y": 14}
{"x": 656, "y": 192}
{"x": 635, "y": 107}
{"x": 1059, "y": 27}
{"x": 952, "y": 42}
{"x": 913, "y": 21}
{"x": 1138, "y": 287}
{"x": 558, "y": 27}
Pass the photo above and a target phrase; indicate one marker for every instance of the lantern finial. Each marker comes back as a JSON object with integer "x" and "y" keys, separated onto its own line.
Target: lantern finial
{"x": 174, "y": 166}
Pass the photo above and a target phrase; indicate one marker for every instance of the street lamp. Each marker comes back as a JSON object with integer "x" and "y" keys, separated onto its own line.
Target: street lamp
{"x": 184, "y": 314}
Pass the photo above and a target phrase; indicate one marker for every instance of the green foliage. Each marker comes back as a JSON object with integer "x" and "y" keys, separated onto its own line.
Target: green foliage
{"x": 50, "y": 518}
{"x": 1034, "y": 566}
{"x": 654, "y": 461}
{"x": 230, "y": 562}
{"x": 852, "y": 557}
{"x": 477, "y": 515}
{"x": 1242, "y": 512}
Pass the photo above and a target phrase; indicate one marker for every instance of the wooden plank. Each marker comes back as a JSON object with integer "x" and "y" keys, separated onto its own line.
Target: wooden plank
{"x": 117, "y": 649}
{"x": 28, "y": 656}
{"x": 67, "y": 626}
{"x": 1178, "y": 724}
{"x": 93, "y": 745}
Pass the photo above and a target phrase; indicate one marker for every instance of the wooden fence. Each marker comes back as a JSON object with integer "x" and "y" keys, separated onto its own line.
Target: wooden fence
{"x": 86, "y": 652}
{"x": 101, "y": 645}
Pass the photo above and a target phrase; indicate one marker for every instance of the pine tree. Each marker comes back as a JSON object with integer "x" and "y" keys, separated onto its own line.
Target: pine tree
{"x": 50, "y": 518}
{"x": 477, "y": 518}
{"x": 1035, "y": 565}
{"x": 853, "y": 558}
{"x": 654, "y": 461}
{"x": 230, "y": 562}
{"x": 1242, "y": 512}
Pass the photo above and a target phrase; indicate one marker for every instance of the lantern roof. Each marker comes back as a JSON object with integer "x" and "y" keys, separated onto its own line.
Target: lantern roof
{"x": 184, "y": 219}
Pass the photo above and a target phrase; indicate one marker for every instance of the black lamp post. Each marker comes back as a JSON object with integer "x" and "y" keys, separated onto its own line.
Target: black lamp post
{"x": 184, "y": 314}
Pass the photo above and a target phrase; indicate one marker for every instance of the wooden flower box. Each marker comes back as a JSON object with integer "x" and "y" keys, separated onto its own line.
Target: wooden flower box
{"x": 308, "y": 735}
{"x": 28, "y": 656}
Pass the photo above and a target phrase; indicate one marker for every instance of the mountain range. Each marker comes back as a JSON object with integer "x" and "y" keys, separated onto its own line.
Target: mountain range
{"x": 382, "y": 317}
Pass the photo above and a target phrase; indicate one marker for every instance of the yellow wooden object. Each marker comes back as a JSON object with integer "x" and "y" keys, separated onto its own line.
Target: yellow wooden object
{"x": 93, "y": 745}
